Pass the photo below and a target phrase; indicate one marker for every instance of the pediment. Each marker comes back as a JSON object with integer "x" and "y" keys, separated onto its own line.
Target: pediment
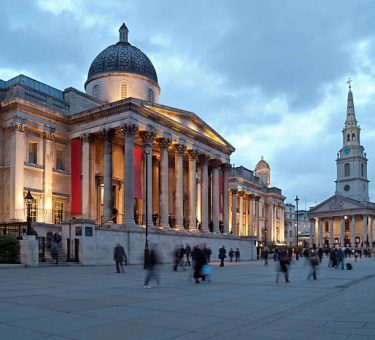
{"x": 337, "y": 203}
{"x": 191, "y": 121}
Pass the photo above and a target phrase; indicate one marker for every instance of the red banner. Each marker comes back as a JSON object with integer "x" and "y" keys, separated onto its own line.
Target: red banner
{"x": 75, "y": 176}
{"x": 220, "y": 194}
{"x": 138, "y": 172}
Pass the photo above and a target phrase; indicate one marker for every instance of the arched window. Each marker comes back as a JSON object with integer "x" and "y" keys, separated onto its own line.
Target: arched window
{"x": 150, "y": 95}
{"x": 353, "y": 136}
{"x": 96, "y": 91}
{"x": 362, "y": 170}
{"x": 347, "y": 170}
{"x": 348, "y": 139}
{"x": 124, "y": 90}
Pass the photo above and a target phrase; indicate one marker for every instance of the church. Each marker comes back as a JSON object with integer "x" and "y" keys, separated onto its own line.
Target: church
{"x": 346, "y": 218}
{"x": 114, "y": 156}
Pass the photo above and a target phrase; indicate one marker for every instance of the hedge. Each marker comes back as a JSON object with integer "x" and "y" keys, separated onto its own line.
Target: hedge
{"x": 9, "y": 249}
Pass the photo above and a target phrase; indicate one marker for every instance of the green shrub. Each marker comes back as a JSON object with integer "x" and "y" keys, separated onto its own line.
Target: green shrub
{"x": 9, "y": 249}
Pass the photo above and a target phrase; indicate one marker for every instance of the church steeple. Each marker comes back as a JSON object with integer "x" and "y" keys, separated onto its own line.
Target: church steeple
{"x": 123, "y": 33}
{"x": 350, "y": 112}
{"x": 351, "y": 131}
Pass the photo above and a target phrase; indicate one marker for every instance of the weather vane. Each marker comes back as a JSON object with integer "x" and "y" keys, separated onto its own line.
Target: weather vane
{"x": 350, "y": 83}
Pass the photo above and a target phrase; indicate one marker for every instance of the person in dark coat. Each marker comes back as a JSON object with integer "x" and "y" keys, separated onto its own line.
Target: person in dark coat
{"x": 152, "y": 261}
{"x": 222, "y": 255}
{"x": 231, "y": 254}
{"x": 55, "y": 249}
{"x": 188, "y": 253}
{"x": 199, "y": 261}
{"x": 284, "y": 264}
{"x": 120, "y": 257}
{"x": 237, "y": 255}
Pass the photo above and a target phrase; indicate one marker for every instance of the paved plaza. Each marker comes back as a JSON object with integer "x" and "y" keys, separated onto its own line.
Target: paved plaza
{"x": 242, "y": 301}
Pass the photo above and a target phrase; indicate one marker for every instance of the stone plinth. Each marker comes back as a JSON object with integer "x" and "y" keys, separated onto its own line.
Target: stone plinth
{"x": 29, "y": 251}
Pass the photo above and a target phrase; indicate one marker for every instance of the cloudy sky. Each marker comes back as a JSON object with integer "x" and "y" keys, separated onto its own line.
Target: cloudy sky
{"x": 269, "y": 75}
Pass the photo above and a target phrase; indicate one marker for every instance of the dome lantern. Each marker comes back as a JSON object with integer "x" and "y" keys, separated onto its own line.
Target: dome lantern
{"x": 123, "y": 33}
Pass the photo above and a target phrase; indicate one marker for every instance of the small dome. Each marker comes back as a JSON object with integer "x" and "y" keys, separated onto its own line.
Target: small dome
{"x": 261, "y": 165}
{"x": 122, "y": 57}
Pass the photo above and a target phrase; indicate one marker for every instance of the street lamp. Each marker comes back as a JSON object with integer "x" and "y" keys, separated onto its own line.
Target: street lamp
{"x": 147, "y": 152}
{"x": 297, "y": 200}
{"x": 29, "y": 199}
{"x": 265, "y": 236}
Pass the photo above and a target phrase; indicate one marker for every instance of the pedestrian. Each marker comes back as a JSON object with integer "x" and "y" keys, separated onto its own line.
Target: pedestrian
{"x": 151, "y": 266}
{"x": 266, "y": 251}
{"x": 320, "y": 254}
{"x": 222, "y": 255}
{"x": 120, "y": 257}
{"x": 188, "y": 254}
{"x": 231, "y": 254}
{"x": 176, "y": 255}
{"x": 340, "y": 258}
{"x": 199, "y": 261}
{"x": 57, "y": 238}
{"x": 283, "y": 266}
{"x": 237, "y": 255}
{"x": 55, "y": 252}
{"x": 313, "y": 259}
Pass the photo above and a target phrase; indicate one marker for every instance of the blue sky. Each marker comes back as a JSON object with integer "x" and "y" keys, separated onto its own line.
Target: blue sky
{"x": 270, "y": 75}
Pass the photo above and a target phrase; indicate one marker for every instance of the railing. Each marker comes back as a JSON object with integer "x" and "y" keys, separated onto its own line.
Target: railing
{"x": 14, "y": 228}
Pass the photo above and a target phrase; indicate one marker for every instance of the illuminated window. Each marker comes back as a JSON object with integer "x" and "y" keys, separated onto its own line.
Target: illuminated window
{"x": 59, "y": 212}
{"x": 33, "y": 209}
{"x": 124, "y": 90}
{"x": 347, "y": 170}
{"x": 150, "y": 95}
{"x": 33, "y": 152}
{"x": 96, "y": 92}
{"x": 60, "y": 159}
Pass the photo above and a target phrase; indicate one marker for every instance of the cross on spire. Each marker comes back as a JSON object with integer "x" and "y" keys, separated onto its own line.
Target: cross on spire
{"x": 350, "y": 83}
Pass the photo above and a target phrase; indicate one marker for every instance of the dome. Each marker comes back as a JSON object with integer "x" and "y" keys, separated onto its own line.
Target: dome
{"x": 122, "y": 57}
{"x": 262, "y": 165}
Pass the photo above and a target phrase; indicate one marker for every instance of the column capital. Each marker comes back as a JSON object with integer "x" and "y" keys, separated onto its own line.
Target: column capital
{"x": 234, "y": 191}
{"x": 108, "y": 134}
{"x": 87, "y": 137}
{"x": 16, "y": 126}
{"x": 129, "y": 129}
{"x": 48, "y": 135}
{"x": 241, "y": 193}
{"x": 225, "y": 166}
{"x": 257, "y": 198}
{"x": 179, "y": 148}
{"x": 163, "y": 142}
{"x": 147, "y": 137}
{"x": 203, "y": 159}
{"x": 215, "y": 163}
{"x": 192, "y": 154}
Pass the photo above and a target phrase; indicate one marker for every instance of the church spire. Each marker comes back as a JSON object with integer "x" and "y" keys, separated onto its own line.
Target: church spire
{"x": 350, "y": 112}
{"x": 123, "y": 33}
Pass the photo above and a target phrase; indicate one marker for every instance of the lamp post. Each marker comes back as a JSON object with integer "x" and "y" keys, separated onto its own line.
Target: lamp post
{"x": 265, "y": 236}
{"x": 29, "y": 199}
{"x": 147, "y": 152}
{"x": 297, "y": 255}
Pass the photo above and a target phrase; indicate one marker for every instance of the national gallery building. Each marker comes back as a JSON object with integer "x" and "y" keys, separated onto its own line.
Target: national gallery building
{"x": 114, "y": 155}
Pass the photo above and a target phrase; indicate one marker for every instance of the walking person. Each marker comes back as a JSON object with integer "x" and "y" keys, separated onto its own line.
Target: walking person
{"x": 120, "y": 257}
{"x": 283, "y": 266}
{"x": 237, "y": 255}
{"x": 151, "y": 266}
{"x": 340, "y": 258}
{"x": 188, "y": 254}
{"x": 265, "y": 255}
{"x": 313, "y": 259}
{"x": 231, "y": 254}
{"x": 222, "y": 255}
{"x": 200, "y": 260}
{"x": 55, "y": 249}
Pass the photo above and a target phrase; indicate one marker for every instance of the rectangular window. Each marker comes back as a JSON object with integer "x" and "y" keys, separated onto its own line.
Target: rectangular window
{"x": 59, "y": 212}
{"x": 60, "y": 159}
{"x": 33, "y": 152}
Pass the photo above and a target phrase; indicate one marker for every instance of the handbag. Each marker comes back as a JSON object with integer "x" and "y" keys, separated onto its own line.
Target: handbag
{"x": 206, "y": 270}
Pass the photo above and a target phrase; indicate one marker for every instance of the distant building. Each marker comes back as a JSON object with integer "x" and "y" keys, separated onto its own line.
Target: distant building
{"x": 291, "y": 226}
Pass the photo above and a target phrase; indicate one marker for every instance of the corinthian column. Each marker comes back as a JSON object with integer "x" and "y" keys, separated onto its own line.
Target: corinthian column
{"x": 49, "y": 138}
{"x": 234, "y": 212}
{"x": 87, "y": 141}
{"x": 342, "y": 232}
{"x": 320, "y": 232}
{"x": 215, "y": 194}
{"x": 129, "y": 131}
{"x": 164, "y": 144}
{"x": 192, "y": 189}
{"x": 312, "y": 226}
{"x": 148, "y": 138}
{"x": 108, "y": 135}
{"x": 257, "y": 198}
{"x": 179, "y": 177}
{"x": 331, "y": 240}
{"x": 241, "y": 224}
{"x": 364, "y": 230}
{"x": 225, "y": 168}
{"x": 353, "y": 233}
{"x": 204, "y": 191}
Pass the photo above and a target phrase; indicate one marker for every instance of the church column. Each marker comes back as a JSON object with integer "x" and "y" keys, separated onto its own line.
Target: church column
{"x": 226, "y": 168}
{"x": 320, "y": 232}
{"x": 312, "y": 226}
{"x": 164, "y": 144}
{"x": 148, "y": 138}
{"x": 234, "y": 212}
{"x": 352, "y": 230}
{"x": 241, "y": 224}
{"x": 192, "y": 189}
{"x": 108, "y": 135}
{"x": 342, "y": 231}
{"x": 179, "y": 178}
{"x": 87, "y": 140}
{"x": 257, "y": 198}
{"x": 215, "y": 194}
{"x": 364, "y": 229}
{"x": 331, "y": 240}
{"x": 17, "y": 159}
{"x": 129, "y": 132}
{"x": 204, "y": 191}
